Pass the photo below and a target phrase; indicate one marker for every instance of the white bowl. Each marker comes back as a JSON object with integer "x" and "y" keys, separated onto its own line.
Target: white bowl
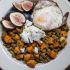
{"x": 9, "y": 63}
{"x": 68, "y": 2}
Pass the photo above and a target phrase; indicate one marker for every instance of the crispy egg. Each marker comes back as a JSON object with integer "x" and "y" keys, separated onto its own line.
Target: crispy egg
{"x": 48, "y": 16}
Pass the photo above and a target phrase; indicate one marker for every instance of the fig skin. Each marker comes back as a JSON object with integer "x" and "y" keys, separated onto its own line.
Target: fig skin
{"x": 27, "y": 5}
{"x": 18, "y": 19}
{"x": 7, "y": 24}
{"x": 18, "y": 6}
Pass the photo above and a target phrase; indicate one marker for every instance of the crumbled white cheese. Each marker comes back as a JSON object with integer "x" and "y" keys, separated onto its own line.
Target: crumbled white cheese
{"x": 28, "y": 23}
{"x": 22, "y": 50}
{"x": 36, "y": 49}
{"x": 31, "y": 34}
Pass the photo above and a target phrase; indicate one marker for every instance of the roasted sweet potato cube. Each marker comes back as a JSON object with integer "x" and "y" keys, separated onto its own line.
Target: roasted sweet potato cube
{"x": 29, "y": 49}
{"x": 63, "y": 33}
{"x": 53, "y": 54}
{"x": 17, "y": 50}
{"x": 50, "y": 40}
{"x": 19, "y": 56}
{"x": 31, "y": 63}
{"x": 7, "y": 39}
{"x": 27, "y": 57}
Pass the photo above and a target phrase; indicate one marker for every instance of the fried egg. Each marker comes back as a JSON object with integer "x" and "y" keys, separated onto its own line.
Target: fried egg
{"x": 47, "y": 16}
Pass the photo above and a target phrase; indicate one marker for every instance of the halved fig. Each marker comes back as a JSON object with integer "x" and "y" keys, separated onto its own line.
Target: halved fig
{"x": 7, "y": 24}
{"x": 18, "y": 6}
{"x": 27, "y": 5}
{"x": 17, "y": 18}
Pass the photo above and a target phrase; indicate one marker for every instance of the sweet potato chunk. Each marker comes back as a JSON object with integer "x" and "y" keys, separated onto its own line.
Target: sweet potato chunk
{"x": 7, "y": 39}
{"x": 42, "y": 45}
{"x": 16, "y": 37}
{"x": 64, "y": 33}
{"x": 53, "y": 54}
{"x": 56, "y": 44}
{"x": 31, "y": 63}
{"x": 19, "y": 56}
{"x": 50, "y": 40}
{"x": 27, "y": 57}
{"x": 17, "y": 50}
{"x": 29, "y": 49}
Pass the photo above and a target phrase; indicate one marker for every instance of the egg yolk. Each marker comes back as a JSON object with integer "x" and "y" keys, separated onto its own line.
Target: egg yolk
{"x": 40, "y": 19}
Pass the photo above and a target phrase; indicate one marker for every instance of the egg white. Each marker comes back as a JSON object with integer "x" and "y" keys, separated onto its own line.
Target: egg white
{"x": 48, "y": 17}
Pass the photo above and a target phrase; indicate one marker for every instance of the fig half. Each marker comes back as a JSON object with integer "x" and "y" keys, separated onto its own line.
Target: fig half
{"x": 27, "y": 5}
{"x": 17, "y": 18}
{"x": 18, "y": 6}
{"x": 7, "y": 24}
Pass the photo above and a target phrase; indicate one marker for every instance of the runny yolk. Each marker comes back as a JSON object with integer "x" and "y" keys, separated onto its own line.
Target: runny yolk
{"x": 40, "y": 19}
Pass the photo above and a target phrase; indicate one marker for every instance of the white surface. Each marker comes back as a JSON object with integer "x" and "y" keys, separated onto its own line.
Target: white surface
{"x": 62, "y": 60}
